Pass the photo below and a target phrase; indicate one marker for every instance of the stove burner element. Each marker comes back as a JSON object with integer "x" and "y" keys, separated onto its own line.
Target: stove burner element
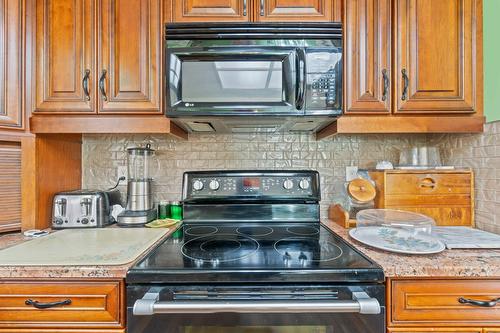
{"x": 255, "y": 231}
{"x": 303, "y": 230}
{"x": 215, "y": 249}
{"x": 201, "y": 231}
{"x": 305, "y": 250}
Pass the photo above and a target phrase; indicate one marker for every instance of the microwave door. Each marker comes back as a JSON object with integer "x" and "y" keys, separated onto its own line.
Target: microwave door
{"x": 234, "y": 82}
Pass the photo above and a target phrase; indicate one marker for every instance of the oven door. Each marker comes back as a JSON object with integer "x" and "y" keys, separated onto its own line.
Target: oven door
{"x": 315, "y": 309}
{"x": 235, "y": 81}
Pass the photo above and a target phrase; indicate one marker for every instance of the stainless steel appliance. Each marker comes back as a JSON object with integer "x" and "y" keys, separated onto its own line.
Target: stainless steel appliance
{"x": 140, "y": 207}
{"x": 252, "y": 256}
{"x": 253, "y": 77}
{"x": 84, "y": 208}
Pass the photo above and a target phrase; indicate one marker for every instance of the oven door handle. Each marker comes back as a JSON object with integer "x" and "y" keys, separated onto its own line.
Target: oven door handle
{"x": 361, "y": 303}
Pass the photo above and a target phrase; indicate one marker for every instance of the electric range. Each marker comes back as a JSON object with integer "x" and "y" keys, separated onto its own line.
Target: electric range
{"x": 252, "y": 256}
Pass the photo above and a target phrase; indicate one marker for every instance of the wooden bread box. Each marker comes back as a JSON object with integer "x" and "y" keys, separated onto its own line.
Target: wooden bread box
{"x": 445, "y": 195}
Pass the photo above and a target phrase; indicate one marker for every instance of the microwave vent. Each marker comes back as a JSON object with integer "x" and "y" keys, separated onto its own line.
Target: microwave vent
{"x": 199, "y": 126}
{"x": 304, "y": 126}
{"x": 254, "y": 128}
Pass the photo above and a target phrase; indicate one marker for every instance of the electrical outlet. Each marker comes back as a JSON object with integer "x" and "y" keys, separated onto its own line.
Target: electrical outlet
{"x": 351, "y": 172}
{"x": 122, "y": 171}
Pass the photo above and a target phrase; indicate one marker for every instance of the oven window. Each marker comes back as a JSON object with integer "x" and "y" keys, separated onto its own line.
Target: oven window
{"x": 232, "y": 81}
{"x": 257, "y": 329}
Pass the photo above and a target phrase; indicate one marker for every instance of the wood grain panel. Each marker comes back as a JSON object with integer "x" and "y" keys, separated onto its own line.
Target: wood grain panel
{"x": 10, "y": 186}
{"x": 368, "y": 56}
{"x": 436, "y": 47}
{"x": 93, "y": 304}
{"x": 130, "y": 34}
{"x": 11, "y": 64}
{"x": 435, "y": 302}
{"x": 210, "y": 10}
{"x": 444, "y": 216}
{"x": 428, "y": 183}
{"x": 295, "y": 10}
{"x": 436, "y": 330}
{"x": 65, "y": 49}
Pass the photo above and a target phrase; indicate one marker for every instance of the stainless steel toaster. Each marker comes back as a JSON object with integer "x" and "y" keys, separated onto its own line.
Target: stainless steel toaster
{"x": 84, "y": 208}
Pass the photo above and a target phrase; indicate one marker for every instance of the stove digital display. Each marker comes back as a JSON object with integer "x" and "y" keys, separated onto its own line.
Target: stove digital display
{"x": 251, "y": 183}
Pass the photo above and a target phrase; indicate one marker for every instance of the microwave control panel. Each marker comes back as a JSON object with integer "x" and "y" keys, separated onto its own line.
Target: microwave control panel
{"x": 324, "y": 77}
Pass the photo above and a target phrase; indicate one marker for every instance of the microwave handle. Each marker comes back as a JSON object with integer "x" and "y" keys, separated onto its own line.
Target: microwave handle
{"x": 301, "y": 79}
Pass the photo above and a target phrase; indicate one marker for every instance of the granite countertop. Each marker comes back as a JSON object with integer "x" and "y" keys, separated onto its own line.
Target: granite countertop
{"x": 80, "y": 271}
{"x": 450, "y": 263}
{"x": 477, "y": 263}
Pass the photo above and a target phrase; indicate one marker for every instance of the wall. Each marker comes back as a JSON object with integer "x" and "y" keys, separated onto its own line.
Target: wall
{"x": 103, "y": 153}
{"x": 491, "y": 57}
{"x": 481, "y": 152}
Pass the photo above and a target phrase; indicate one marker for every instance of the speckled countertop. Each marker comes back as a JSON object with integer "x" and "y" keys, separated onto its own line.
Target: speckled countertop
{"x": 450, "y": 263}
{"x": 70, "y": 272}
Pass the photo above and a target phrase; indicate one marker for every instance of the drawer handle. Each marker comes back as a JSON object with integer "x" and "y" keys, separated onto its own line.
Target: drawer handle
{"x": 485, "y": 304}
{"x": 428, "y": 182}
{"x": 39, "y": 305}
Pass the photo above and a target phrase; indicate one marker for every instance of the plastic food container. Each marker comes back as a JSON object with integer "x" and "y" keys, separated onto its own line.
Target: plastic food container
{"x": 409, "y": 221}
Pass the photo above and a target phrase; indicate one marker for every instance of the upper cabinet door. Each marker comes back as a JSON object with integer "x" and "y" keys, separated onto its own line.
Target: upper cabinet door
{"x": 65, "y": 61}
{"x": 129, "y": 56}
{"x": 210, "y": 10}
{"x": 436, "y": 56}
{"x": 368, "y": 56}
{"x": 295, "y": 10}
{"x": 11, "y": 56}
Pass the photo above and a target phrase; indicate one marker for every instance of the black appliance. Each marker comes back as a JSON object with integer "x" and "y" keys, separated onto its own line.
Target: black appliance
{"x": 243, "y": 77}
{"x": 252, "y": 256}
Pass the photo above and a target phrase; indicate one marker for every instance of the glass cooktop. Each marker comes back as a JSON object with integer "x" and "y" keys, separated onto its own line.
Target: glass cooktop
{"x": 273, "y": 252}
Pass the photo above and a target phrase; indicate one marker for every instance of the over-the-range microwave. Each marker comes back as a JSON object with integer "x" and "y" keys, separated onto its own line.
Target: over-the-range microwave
{"x": 253, "y": 77}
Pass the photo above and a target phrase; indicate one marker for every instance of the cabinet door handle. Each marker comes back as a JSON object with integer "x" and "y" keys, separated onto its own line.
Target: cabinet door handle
{"x": 484, "y": 304}
{"x": 261, "y": 7}
{"x": 40, "y": 305}
{"x": 386, "y": 84}
{"x": 406, "y": 80}
{"x": 85, "y": 84}
{"x": 244, "y": 7}
{"x": 101, "y": 85}
{"x": 428, "y": 182}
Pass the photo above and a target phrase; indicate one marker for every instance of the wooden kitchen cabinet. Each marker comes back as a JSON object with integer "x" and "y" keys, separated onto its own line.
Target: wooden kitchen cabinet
{"x": 129, "y": 61}
{"x": 422, "y": 305}
{"x": 119, "y": 71}
{"x": 11, "y": 64}
{"x": 367, "y": 74}
{"x": 209, "y": 10}
{"x": 436, "y": 56}
{"x": 88, "y": 305}
{"x": 296, "y": 10}
{"x": 65, "y": 56}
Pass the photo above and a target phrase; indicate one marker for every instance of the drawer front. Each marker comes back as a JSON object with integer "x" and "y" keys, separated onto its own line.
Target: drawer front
{"x": 444, "y": 216}
{"x": 431, "y": 302}
{"x": 91, "y": 304}
{"x": 423, "y": 184}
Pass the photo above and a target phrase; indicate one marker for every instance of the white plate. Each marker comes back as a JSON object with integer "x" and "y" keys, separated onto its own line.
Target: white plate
{"x": 397, "y": 240}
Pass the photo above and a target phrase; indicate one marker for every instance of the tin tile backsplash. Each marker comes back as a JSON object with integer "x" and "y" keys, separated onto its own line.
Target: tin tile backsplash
{"x": 481, "y": 152}
{"x": 102, "y": 154}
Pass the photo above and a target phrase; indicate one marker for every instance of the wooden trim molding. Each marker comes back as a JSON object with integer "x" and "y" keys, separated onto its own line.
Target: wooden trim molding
{"x": 402, "y": 124}
{"x": 105, "y": 125}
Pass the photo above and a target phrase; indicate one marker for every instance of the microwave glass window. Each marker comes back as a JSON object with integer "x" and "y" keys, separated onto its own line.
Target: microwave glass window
{"x": 232, "y": 81}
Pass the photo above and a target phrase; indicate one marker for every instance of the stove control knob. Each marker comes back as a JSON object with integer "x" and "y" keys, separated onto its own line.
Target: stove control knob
{"x": 85, "y": 220}
{"x": 288, "y": 184}
{"x": 214, "y": 185}
{"x": 198, "y": 185}
{"x": 59, "y": 221}
{"x": 304, "y": 184}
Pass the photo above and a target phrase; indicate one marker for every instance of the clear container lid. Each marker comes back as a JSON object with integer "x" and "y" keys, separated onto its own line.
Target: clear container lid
{"x": 395, "y": 219}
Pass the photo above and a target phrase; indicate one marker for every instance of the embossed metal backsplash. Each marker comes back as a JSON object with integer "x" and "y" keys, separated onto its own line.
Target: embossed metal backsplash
{"x": 102, "y": 154}
{"x": 481, "y": 152}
